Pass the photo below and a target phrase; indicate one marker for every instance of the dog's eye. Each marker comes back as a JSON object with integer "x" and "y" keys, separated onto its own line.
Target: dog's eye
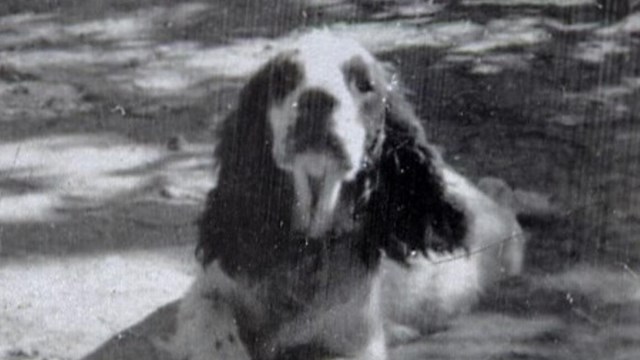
{"x": 358, "y": 76}
{"x": 364, "y": 85}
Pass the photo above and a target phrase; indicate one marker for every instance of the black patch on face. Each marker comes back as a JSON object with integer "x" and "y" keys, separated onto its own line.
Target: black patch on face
{"x": 312, "y": 129}
{"x": 283, "y": 76}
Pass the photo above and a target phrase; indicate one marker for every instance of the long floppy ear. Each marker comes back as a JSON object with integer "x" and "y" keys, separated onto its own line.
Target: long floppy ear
{"x": 247, "y": 173}
{"x": 411, "y": 206}
{"x": 245, "y": 137}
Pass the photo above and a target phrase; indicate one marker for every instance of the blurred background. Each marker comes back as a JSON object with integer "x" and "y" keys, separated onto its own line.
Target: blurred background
{"x": 106, "y": 111}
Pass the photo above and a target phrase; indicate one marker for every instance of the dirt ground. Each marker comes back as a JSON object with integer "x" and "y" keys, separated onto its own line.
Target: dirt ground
{"x": 105, "y": 116}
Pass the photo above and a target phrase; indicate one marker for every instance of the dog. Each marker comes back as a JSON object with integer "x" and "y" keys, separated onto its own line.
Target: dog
{"x": 322, "y": 236}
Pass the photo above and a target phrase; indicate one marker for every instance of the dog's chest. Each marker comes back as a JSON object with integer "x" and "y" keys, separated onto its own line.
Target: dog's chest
{"x": 326, "y": 298}
{"x": 316, "y": 276}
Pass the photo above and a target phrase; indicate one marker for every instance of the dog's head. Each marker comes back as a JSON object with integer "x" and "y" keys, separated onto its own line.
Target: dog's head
{"x": 324, "y": 103}
{"x": 323, "y": 142}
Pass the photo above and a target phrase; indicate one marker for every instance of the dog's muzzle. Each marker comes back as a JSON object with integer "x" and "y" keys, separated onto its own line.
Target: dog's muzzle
{"x": 324, "y": 153}
{"x": 313, "y": 129}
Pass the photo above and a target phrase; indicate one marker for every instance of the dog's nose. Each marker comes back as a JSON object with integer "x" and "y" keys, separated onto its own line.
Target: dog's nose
{"x": 313, "y": 123}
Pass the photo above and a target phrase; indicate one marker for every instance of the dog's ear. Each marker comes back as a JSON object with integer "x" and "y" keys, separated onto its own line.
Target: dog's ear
{"x": 412, "y": 211}
{"x": 270, "y": 84}
{"x": 247, "y": 173}
{"x": 207, "y": 249}
{"x": 245, "y": 136}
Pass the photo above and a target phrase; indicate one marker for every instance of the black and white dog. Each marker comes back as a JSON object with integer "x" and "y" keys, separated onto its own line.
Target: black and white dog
{"x": 324, "y": 234}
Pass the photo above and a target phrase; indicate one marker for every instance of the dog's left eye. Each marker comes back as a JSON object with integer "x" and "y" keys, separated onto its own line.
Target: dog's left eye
{"x": 357, "y": 75}
{"x": 364, "y": 85}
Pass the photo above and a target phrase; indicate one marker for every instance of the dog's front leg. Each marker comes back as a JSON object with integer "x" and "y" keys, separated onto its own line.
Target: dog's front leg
{"x": 206, "y": 326}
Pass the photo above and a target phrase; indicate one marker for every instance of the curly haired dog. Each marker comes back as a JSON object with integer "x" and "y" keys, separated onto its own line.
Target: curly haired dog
{"x": 319, "y": 238}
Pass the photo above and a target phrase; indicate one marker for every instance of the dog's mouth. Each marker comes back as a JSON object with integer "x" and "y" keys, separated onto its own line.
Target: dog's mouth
{"x": 318, "y": 182}
{"x": 320, "y": 174}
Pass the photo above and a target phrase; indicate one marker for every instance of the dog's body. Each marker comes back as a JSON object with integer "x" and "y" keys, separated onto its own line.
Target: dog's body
{"x": 329, "y": 210}
{"x": 441, "y": 285}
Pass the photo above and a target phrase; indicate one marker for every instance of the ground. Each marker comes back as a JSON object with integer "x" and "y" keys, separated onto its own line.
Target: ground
{"x": 105, "y": 116}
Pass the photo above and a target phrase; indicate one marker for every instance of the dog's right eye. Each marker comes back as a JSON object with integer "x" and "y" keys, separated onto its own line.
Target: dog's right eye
{"x": 364, "y": 85}
{"x": 357, "y": 75}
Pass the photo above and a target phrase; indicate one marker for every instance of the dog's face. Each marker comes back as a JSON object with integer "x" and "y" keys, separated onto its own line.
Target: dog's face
{"x": 323, "y": 142}
{"x": 327, "y": 118}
